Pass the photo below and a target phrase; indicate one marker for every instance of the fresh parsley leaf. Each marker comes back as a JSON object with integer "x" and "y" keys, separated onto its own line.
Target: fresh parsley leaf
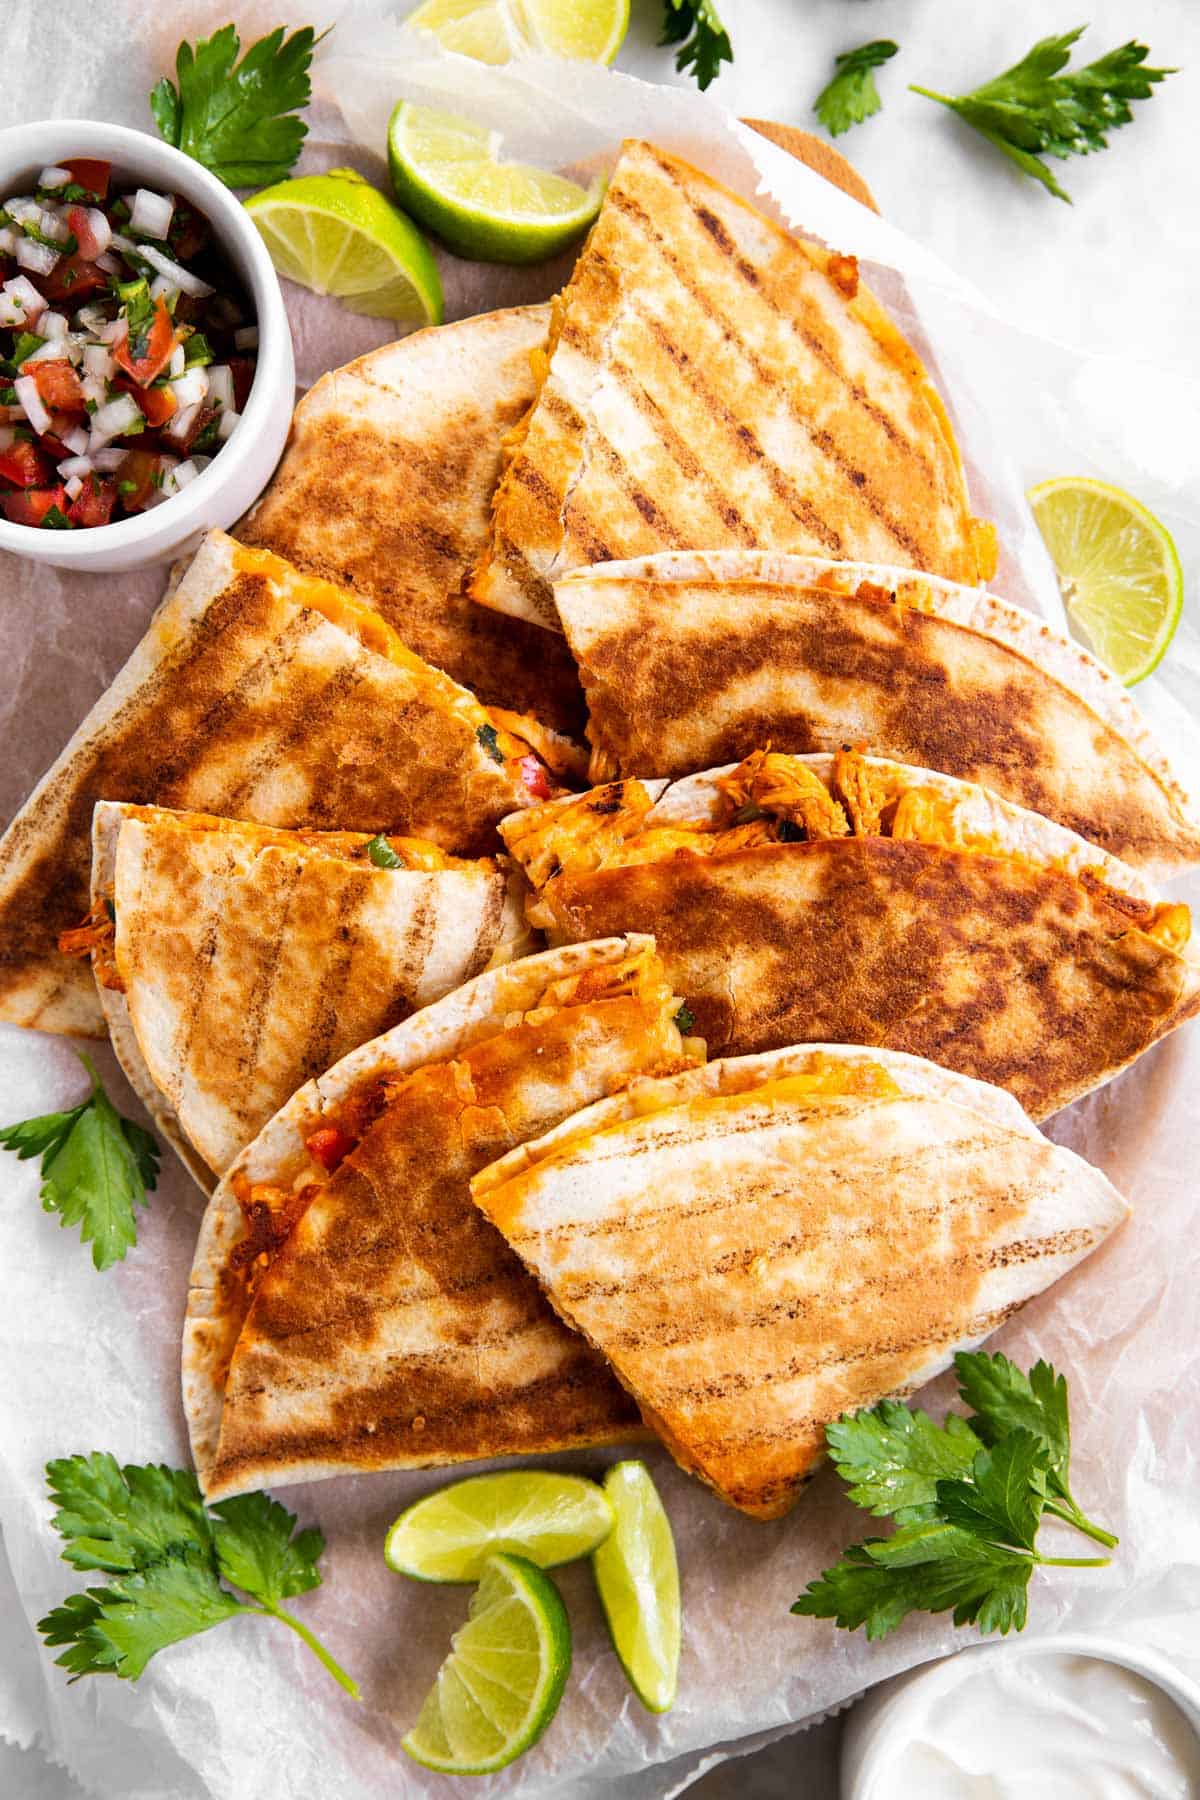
{"x": 685, "y": 1018}
{"x": 490, "y": 741}
{"x": 96, "y": 1168}
{"x": 257, "y": 1552}
{"x": 147, "y": 1526}
{"x": 381, "y": 853}
{"x": 1033, "y": 110}
{"x": 929, "y": 1567}
{"x": 893, "y": 1458}
{"x": 235, "y": 117}
{"x": 704, "y": 45}
{"x": 851, "y": 96}
{"x": 1004, "y": 1496}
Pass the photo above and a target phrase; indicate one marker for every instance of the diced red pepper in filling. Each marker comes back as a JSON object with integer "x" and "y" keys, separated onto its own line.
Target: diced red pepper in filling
{"x": 58, "y": 386}
{"x": 85, "y": 237}
{"x": 94, "y": 502}
{"x": 24, "y": 465}
{"x": 31, "y": 505}
{"x": 72, "y": 278}
{"x": 154, "y": 354}
{"x": 536, "y": 780}
{"x": 89, "y": 173}
{"x": 328, "y": 1146}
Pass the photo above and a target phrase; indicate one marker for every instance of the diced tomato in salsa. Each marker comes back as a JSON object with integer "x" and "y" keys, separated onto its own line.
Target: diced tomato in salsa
{"x": 58, "y": 385}
{"x": 89, "y": 173}
{"x": 158, "y": 404}
{"x": 31, "y": 505}
{"x": 536, "y": 780}
{"x": 198, "y": 426}
{"x": 139, "y": 467}
{"x": 81, "y": 228}
{"x": 73, "y": 278}
{"x": 328, "y": 1146}
{"x": 189, "y": 232}
{"x": 159, "y": 344}
{"x": 24, "y": 465}
{"x": 94, "y": 502}
{"x": 242, "y": 370}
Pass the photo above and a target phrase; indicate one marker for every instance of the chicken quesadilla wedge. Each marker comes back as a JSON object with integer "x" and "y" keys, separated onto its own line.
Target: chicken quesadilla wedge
{"x": 385, "y": 486}
{"x": 851, "y": 899}
{"x": 350, "y": 1309}
{"x": 764, "y": 1244}
{"x": 263, "y": 694}
{"x": 709, "y": 381}
{"x": 693, "y": 659}
{"x": 234, "y": 962}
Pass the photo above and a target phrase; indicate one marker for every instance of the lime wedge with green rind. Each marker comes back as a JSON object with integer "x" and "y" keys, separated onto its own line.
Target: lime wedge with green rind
{"x": 336, "y": 234}
{"x": 542, "y": 1515}
{"x": 501, "y": 1684}
{"x": 638, "y": 1579}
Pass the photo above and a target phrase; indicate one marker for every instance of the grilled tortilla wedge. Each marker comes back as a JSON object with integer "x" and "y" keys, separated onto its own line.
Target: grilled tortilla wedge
{"x": 385, "y": 487}
{"x": 262, "y": 694}
{"x": 689, "y": 660}
{"x": 234, "y": 962}
{"x": 764, "y": 1244}
{"x": 349, "y": 1308}
{"x": 710, "y": 381}
{"x": 852, "y": 899}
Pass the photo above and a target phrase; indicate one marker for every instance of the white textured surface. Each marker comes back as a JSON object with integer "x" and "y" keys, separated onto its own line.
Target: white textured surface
{"x": 1119, "y": 273}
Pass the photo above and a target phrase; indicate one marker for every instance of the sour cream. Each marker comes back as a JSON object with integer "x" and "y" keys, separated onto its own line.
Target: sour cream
{"x": 1043, "y": 1727}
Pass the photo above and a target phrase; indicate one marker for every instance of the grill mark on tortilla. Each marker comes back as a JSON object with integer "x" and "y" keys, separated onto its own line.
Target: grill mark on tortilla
{"x": 857, "y": 480}
{"x": 682, "y": 456}
{"x": 182, "y": 1051}
{"x": 262, "y": 993}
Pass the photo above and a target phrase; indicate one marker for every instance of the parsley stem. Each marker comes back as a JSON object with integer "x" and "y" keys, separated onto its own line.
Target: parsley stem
{"x": 1071, "y": 1515}
{"x": 315, "y": 1645}
{"x": 1070, "y": 1562}
{"x": 929, "y": 93}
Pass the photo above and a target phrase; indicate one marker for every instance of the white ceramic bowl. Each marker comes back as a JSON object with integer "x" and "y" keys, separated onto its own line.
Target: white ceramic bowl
{"x": 884, "y": 1721}
{"x": 241, "y": 468}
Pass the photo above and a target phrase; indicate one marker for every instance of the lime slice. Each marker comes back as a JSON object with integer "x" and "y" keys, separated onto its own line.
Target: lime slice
{"x": 448, "y": 173}
{"x": 638, "y": 1578}
{"x": 1119, "y": 572}
{"x": 336, "y": 234}
{"x": 548, "y": 1518}
{"x": 492, "y": 31}
{"x": 501, "y": 1684}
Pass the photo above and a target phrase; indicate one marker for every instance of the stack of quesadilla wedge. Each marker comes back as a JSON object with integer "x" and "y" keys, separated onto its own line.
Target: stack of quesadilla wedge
{"x": 261, "y": 694}
{"x": 692, "y": 659}
{"x": 350, "y": 1309}
{"x": 234, "y": 962}
{"x": 762, "y": 1245}
{"x": 710, "y": 381}
{"x": 385, "y": 485}
{"x": 857, "y": 900}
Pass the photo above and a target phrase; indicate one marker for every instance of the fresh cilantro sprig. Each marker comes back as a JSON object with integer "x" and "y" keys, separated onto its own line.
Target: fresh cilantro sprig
{"x": 1032, "y": 110}
{"x": 967, "y": 1496}
{"x": 236, "y": 120}
{"x": 168, "y": 1555}
{"x": 704, "y": 45}
{"x": 96, "y": 1168}
{"x": 851, "y": 96}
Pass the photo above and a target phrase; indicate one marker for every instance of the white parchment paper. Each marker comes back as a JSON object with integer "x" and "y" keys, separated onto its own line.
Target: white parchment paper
{"x": 90, "y": 1361}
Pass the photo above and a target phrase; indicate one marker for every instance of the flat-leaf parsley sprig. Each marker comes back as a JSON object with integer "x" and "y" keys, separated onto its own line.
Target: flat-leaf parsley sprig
{"x": 704, "y": 45}
{"x": 238, "y": 120}
{"x": 967, "y": 1498}
{"x": 168, "y": 1554}
{"x": 96, "y": 1168}
{"x": 1033, "y": 110}
{"x": 851, "y": 96}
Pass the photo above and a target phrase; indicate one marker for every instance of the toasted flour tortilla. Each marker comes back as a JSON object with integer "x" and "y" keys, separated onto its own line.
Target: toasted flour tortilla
{"x": 690, "y": 660}
{"x": 244, "y": 960}
{"x": 711, "y": 381}
{"x": 377, "y": 1322}
{"x": 764, "y": 1244}
{"x": 980, "y": 935}
{"x": 384, "y": 487}
{"x": 257, "y": 693}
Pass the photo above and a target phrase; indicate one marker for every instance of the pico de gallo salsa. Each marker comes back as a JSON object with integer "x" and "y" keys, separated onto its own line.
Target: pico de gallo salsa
{"x": 127, "y": 349}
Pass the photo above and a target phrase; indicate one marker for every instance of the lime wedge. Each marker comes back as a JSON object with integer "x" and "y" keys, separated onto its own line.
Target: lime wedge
{"x": 546, "y": 1517}
{"x": 1119, "y": 572}
{"x": 638, "y": 1578}
{"x": 492, "y": 31}
{"x": 336, "y": 234}
{"x": 501, "y": 1684}
{"x": 448, "y": 174}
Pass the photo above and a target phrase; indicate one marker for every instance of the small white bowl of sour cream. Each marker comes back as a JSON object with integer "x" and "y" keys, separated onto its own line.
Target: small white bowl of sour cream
{"x": 1072, "y": 1717}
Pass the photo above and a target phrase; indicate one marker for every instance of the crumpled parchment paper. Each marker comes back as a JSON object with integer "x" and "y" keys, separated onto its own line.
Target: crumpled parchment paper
{"x": 91, "y": 1361}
